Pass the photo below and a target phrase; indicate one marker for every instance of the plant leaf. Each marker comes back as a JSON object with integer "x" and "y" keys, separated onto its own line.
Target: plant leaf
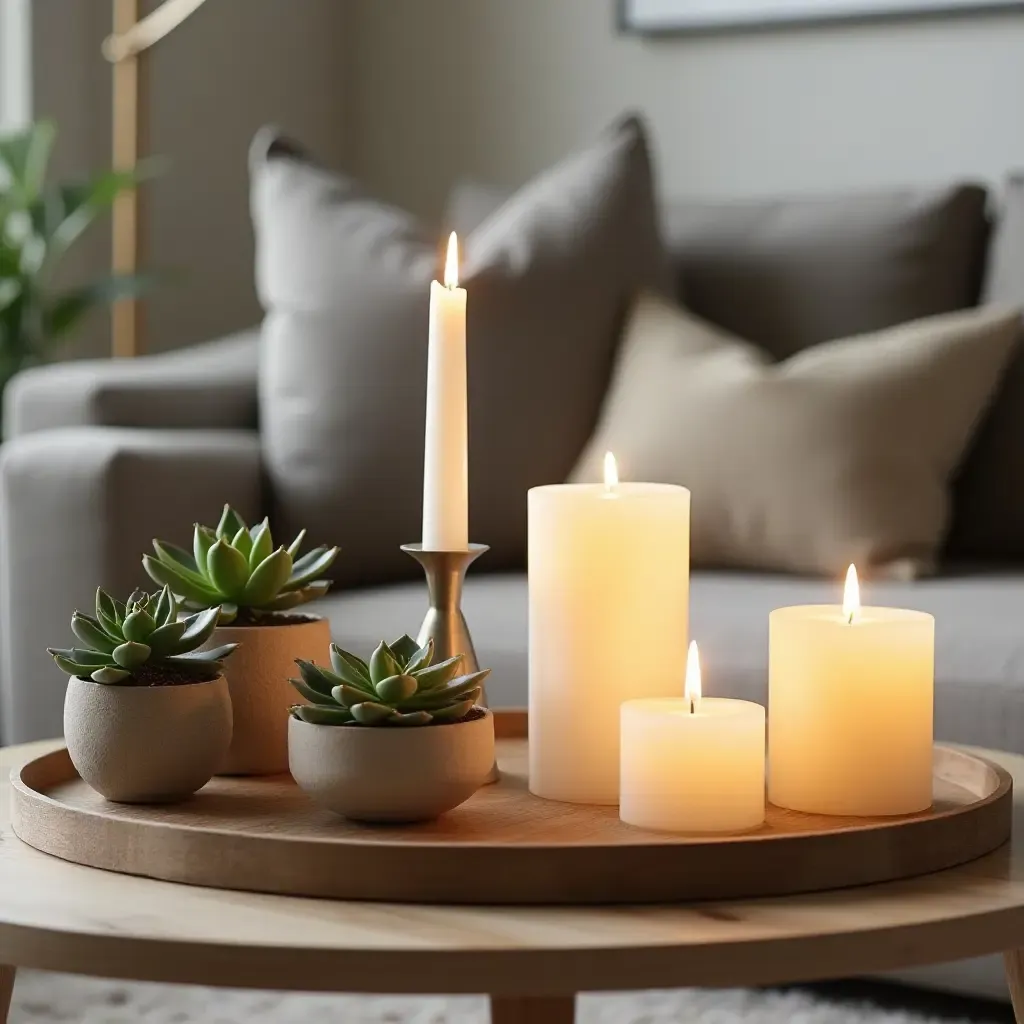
{"x": 453, "y": 712}
{"x": 396, "y": 688}
{"x": 63, "y": 312}
{"x": 91, "y": 633}
{"x": 348, "y": 696}
{"x": 382, "y": 663}
{"x": 350, "y": 667}
{"x": 313, "y": 696}
{"x": 242, "y": 541}
{"x": 405, "y": 649}
{"x": 370, "y": 713}
{"x": 439, "y": 674}
{"x": 314, "y": 569}
{"x": 110, "y": 676}
{"x": 267, "y": 578}
{"x": 261, "y": 544}
{"x": 230, "y": 523}
{"x": 198, "y": 629}
{"x": 164, "y": 639}
{"x": 296, "y": 545}
{"x": 182, "y": 585}
{"x": 316, "y": 678}
{"x": 26, "y": 154}
{"x": 203, "y": 538}
{"x": 131, "y": 655}
{"x": 138, "y": 626}
{"x": 228, "y": 569}
{"x": 422, "y": 658}
{"x": 317, "y": 714}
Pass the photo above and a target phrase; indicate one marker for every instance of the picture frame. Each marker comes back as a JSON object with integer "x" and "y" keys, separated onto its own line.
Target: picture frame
{"x": 656, "y": 17}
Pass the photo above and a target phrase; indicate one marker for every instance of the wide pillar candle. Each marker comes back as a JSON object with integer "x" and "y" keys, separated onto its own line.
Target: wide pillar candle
{"x": 609, "y": 570}
{"x": 692, "y": 764}
{"x": 850, "y": 710}
{"x": 446, "y": 447}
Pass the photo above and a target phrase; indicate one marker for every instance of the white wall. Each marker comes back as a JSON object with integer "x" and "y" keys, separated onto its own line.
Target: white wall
{"x": 231, "y": 67}
{"x": 500, "y": 88}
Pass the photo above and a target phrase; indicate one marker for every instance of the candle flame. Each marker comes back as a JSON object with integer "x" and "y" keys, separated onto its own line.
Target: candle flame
{"x": 851, "y": 595}
{"x": 611, "y": 471}
{"x": 692, "y": 690}
{"x": 451, "y": 263}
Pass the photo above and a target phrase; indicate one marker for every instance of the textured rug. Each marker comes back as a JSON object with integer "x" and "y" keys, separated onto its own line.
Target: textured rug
{"x": 54, "y": 999}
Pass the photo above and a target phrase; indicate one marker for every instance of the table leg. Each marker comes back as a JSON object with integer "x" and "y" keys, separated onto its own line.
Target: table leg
{"x": 1014, "y": 962}
{"x": 556, "y": 1010}
{"x": 6, "y": 991}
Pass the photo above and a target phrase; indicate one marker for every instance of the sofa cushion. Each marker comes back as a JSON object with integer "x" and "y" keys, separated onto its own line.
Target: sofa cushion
{"x": 789, "y": 273}
{"x": 989, "y": 495}
{"x": 979, "y": 657}
{"x": 345, "y": 281}
{"x": 792, "y": 273}
{"x": 842, "y": 453}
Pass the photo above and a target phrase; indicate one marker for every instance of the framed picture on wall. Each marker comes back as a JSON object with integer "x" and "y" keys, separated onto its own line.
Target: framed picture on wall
{"x": 654, "y": 16}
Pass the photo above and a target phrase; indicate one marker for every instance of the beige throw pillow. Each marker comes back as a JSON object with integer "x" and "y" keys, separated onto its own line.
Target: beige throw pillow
{"x": 842, "y": 453}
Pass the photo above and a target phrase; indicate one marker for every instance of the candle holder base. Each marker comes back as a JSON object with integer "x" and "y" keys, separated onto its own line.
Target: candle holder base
{"x": 444, "y": 622}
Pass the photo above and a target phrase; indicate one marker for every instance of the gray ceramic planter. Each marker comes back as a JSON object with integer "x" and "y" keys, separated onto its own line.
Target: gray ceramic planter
{"x": 147, "y": 744}
{"x": 391, "y": 774}
{"x": 258, "y": 674}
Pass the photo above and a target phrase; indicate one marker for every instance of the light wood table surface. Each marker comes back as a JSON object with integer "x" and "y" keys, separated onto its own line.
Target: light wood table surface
{"x": 531, "y": 961}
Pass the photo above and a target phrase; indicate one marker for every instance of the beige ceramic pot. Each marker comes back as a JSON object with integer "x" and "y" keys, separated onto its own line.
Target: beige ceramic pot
{"x": 147, "y": 744}
{"x": 391, "y": 774}
{"x": 258, "y": 674}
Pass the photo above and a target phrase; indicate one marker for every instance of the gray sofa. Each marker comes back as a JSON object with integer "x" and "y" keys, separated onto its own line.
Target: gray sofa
{"x": 102, "y": 456}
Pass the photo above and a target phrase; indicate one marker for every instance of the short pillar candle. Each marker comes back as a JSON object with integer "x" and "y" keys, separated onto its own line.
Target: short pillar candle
{"x": 692, "y": 764}
{"x": 609, "y": 570}
{"x": 850, "y": 699}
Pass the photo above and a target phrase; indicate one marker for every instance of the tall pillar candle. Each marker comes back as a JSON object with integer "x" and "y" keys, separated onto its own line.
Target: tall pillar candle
{"x": 850, "y": 696}
{"x": 446, "y": 459}
{"x": 609, "y": 569}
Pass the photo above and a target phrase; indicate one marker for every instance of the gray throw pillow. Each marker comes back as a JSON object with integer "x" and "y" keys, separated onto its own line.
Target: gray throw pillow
{"x": 789, "y": 273}
{"x": 988, "y": 516}
{"x": 344, "y": 279}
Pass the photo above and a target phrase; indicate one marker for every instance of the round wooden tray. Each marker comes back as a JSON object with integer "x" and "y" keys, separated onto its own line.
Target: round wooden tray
{"x": 503, "y": 846}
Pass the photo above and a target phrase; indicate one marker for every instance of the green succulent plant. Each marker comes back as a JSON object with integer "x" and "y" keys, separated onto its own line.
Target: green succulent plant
{"x": 399, "y": 686}
{"x": 141, "y": 641}
{"x": 238, "y": 569}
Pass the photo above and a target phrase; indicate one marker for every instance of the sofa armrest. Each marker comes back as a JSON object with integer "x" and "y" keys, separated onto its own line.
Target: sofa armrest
{"x": 206, "y": 386}
{"x": 77, "y": 510}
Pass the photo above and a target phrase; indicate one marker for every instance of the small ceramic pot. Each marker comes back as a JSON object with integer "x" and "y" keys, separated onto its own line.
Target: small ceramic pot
{"x": 391, "y": 774}
{"x": 258, "y": 674}
{"x": 147, "y": 744}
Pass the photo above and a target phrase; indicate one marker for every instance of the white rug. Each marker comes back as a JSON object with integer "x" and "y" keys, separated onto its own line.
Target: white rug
{"x": 54, "y": 999}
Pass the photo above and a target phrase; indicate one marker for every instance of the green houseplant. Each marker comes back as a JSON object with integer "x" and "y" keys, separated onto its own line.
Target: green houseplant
{"x": 40, "y": 221}
{"x": 364, "y": 718}
{"x": 259, "y": 589}
{"x": 147, "y": 716}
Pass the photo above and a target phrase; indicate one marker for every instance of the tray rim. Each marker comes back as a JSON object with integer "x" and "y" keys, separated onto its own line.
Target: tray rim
{"x": 27, "y": 799}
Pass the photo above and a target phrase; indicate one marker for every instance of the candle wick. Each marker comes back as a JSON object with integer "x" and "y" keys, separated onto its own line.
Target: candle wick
{"x": 693, "y": 706}
{"x": 850, "y": 620}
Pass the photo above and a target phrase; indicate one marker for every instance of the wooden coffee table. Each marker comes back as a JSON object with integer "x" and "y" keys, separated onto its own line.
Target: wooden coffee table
{"x": 531, "y": 961}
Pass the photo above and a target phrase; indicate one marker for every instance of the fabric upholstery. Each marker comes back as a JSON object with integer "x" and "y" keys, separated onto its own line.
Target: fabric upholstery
{"x": 979, "y": 658}
{"x": 989, "y": 519}
{"x": 842, "y": 453}
{"x": 792, "y": 273}
{"x": 789, "y": 273}
{"x": 77, "y": 509}
{"x": 344, "y": 279}
{"x": 211, "y": 386}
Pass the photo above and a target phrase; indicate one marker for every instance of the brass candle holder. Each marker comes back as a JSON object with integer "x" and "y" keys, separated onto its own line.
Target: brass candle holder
{"x": 444, "y": 622}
